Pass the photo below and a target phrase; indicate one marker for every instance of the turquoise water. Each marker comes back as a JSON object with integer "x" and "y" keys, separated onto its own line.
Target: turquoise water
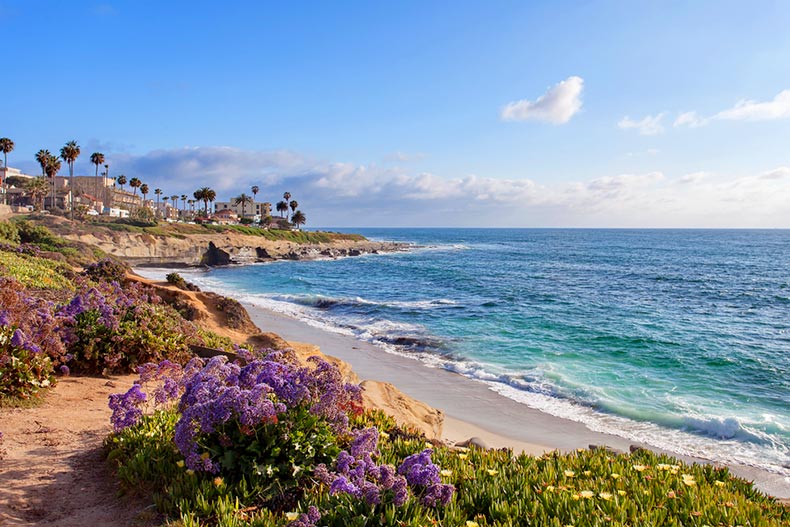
{"x": 677, "y": 338}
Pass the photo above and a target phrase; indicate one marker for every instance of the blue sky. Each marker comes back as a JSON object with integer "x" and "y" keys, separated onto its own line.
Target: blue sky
{"x": 578, "y": 114}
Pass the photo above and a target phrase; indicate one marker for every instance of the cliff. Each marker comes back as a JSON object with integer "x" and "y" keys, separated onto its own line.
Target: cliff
{"x": 219, "y": 248}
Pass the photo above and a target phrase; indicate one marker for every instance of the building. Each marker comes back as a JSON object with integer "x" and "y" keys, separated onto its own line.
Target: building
{"x": 259, "y": 209}
{"x": 226, "y": 217}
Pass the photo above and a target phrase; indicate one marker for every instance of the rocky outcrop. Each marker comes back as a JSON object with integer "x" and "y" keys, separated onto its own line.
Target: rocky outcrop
{"x": 221, "y": 248}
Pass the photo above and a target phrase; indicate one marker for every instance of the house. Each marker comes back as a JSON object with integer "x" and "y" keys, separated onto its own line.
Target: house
{"x": 225, "y": 217}
{"x": 260, "y": 209}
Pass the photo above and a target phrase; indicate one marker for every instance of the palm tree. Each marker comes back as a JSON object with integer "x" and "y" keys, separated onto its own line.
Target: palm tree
{"x": 42, "y": 156}
{"x": 158, "y": 193}
{"x": 164, "y": 206}
{"x": 298, "y": 218}
{"x": 121, "y": 181}
{"x": 174, "y": 199}
{"x": 38, "y": 188}
{"x": 191, "y": 204}
{"x": 287, "y": 197}
{"x": 282, "y": 206}
{"x": 205, "y": 195}
{"x": 6, "y": 146}
{"x": 242, "y": 200}
{"x": 294, "y": 204}
{"x": 144, "y": 191}
{"x": 255, "y": 189}
{"x": 135, "y": 184}
{"x": 184, "y": 202}
{"x": 69, "y": 153}
{"x": 97, "y": 158}
{"x": 52, "y": 169}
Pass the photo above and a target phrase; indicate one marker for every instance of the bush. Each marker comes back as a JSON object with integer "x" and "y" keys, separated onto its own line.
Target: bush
{"x": 235, "y": 314}
{"x": 24, "y": 368}
{"x": 108, "y": 270}
{"x": 108, "y": 329}
{"x": 9, "y": 233}
{"x": 34, "y": 271}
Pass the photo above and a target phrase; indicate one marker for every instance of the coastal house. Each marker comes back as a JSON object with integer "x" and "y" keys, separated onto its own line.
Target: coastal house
{"x": 255, "y": 210}
{"x": 226, "y": 217}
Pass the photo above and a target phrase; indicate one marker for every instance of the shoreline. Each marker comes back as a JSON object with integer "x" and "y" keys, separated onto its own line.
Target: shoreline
{"x": 470, "y": 407}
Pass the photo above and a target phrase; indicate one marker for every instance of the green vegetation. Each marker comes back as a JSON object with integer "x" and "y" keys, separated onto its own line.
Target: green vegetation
{"x": 33, "y": 271}
{"x": 493, "y": 488}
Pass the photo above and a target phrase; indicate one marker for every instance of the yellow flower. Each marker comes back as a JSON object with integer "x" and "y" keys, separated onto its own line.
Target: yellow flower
{"x": 640, "y": 468}
{"x": 492, "y": 472}
{"x": 621, "y": 492}
{"x": 463, "y": 456}
{"x": 719, "y": 483}
{"x": 605, "y": 495}
{"x": 384, "y": 435}
{"x": 615, "y": 475}
{"x": 569, "y": 473}
{"x": 218, "y": 482}
{"x": 291, "y": 516}
{"x": 549, "y": 488}
{"x": 180, "y": 463}
{"x": 446, "y": 472}
{"x": 663, "y": 466}
{"x": 470, "y": 523}
{"x": 190, "y": 471}
{"x": 587, "y": 494}
{"x": 688, "y": 480}
{"x": 588, "y": 473}
{"x": 575, "y": 497}
{"x": 204, "y": 456}
{"x": 673, "y": 471}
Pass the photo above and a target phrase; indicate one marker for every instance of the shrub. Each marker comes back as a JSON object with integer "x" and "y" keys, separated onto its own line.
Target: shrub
{"x": 108, "y": 270}
{"x": 235, "y": 314}
{"x": 110, "y": 329}
{"x": 33, "y": 271}
{"x": 24, "y": 368}
{"x": 9, "y": 233}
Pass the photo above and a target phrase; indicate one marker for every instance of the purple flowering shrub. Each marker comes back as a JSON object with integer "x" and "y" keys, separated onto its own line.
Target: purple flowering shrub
{"x": 30, "y": 347}
{"x": 107, "y": 270}
{"x": 108, "y": 328}
{"x": 269, "y": 421}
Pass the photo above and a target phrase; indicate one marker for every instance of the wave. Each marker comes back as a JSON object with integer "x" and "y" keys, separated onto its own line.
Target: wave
{"x": 326, "y": 302}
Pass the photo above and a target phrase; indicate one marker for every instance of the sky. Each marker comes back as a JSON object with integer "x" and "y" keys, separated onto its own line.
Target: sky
{"x": 433, "y": 114}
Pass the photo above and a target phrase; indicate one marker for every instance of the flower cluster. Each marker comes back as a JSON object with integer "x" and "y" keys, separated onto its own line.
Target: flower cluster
{"x": 423, "y": 477}
{"x": 357, "y": 475}
{"x": 127, "y": 407}
{"x": 310, "y": 519}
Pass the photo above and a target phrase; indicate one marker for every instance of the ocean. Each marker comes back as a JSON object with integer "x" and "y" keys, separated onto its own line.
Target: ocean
{"x": 676, "y": 338}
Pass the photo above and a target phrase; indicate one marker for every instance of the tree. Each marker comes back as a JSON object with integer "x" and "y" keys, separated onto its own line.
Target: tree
{"x": 42, "y": 156}
{"x": 6, "y": 146}
{"x": 287, "y": 197}
{"x": 184, "y": 202}
{"x": 191, "y": 204}
{"x": 242, "y": 200}
{"x": 121, "y": 181}
{"x": 38, "y": 188}
{"x": 294, "y": 204}
{"x": 69, "y": 153}
{"x": 282, "y": 206}
{"x": 144, "y": 191}
{"x": 97, "y": 158}
{"x": 158, "y": 193}
{"x": 52, "y": 168}
{"x": 135, "y": 184}
{"x": 205, "y": 195}
{"x": 164, "y": 206}
{"x": 298, "y": 218}
{"x": 255, "y": 189}
{"x": 174, "y": 199}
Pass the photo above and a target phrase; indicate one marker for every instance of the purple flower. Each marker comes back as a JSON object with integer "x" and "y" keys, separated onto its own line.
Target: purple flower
{"x": 125, "y": 407}
{"x": 307, "y": 520}
{"x": 65, "y": 370}
{"x": 18, "y": 340}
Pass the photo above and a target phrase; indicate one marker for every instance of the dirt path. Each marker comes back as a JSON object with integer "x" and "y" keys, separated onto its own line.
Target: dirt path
{"x": 52, "y": 471}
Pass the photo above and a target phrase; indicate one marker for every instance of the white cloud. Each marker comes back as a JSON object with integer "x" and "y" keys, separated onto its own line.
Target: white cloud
{"x": 649, "y": 125}
{"x": 561, "y": 102}
{"x": 348, "y": 194}
{"x": 690, "y": 119}
{"x": 746, "y": 110}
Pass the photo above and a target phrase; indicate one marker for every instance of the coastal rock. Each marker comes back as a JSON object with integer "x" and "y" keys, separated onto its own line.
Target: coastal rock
{"x": 475, "y": 442}
{"x": 215, "y": 256}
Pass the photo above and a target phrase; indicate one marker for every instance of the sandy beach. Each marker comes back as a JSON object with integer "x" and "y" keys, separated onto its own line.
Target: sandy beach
{"x": 471, "y": 408}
